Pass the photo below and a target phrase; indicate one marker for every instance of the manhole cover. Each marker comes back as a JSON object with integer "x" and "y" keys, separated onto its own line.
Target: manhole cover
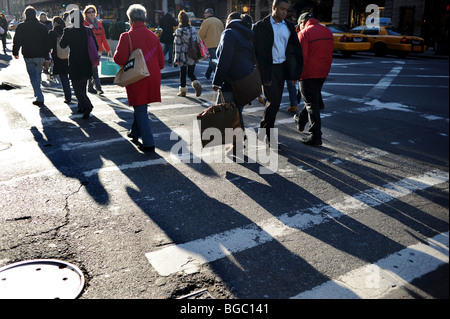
{"x": 40, "y": 279}
{"x": 4, "y": 146}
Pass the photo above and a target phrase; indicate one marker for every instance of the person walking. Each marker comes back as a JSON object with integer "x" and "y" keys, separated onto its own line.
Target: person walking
{"x": 91, "y": 21}
{"x": 235, "y": 55}
{"x": 210, "y": 32}
{"x": 4, "y": 26}
{"x": 48, "y": 24}
{"x": 317, "y": 44}
{"x": 80, "y": 66}
{"x": 168, "y": 22}
{"x": 184, "y": 35}
{"x": 43, "y": 18}
{"x": 147, "y": 90}
{"x": 60, "y": 66}
{"x": 32, "y": 37}
{"x": 279, "y": 57}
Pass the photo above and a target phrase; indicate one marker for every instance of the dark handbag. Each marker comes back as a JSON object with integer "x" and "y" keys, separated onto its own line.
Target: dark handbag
{"x": 220, "y": 116}
{"x": 193, "y": 50}
{"x": 248, "y": 88}
{"x": 92, "y": 48}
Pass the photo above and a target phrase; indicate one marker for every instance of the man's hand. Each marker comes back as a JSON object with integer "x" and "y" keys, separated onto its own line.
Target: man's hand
{"x": 216, "y": 88}
{"x": 16, "y": 57}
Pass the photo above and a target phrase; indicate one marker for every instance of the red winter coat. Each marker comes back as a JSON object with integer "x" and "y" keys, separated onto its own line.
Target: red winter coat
{"x": 99, "y": 33}
{"x": 147, "y": 90}
{"x": 317, "y": 45}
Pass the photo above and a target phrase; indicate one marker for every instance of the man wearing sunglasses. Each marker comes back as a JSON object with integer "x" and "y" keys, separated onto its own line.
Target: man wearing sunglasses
{"x": 91, "y": 21}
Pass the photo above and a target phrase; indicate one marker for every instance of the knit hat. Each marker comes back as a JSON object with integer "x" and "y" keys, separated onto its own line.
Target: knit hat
{"x": 304, "y": 17}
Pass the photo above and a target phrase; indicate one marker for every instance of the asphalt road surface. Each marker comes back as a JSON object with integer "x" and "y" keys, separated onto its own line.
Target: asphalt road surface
{"x": 363, "y": 216}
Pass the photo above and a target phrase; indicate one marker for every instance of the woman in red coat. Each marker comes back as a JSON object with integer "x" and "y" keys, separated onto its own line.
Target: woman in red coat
{"x": 147, "y": 90}
{"x": 91, "y": 22}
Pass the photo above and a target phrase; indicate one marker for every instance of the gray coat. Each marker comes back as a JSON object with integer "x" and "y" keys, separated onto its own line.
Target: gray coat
{"x": 183, "y": 36}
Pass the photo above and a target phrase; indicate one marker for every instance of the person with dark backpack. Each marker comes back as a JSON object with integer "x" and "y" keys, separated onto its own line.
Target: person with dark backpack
{"x": 185, "y": 36}
{"x": 80, "y": 66}
{"x": 60, "y": 65}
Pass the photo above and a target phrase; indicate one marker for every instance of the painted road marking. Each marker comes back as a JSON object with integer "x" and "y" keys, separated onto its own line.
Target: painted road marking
{"x": 189, "y": 257}
{"x": 394, "y": 271}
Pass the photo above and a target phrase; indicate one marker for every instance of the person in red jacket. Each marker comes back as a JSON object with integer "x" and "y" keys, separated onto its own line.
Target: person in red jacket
{"x": 317, "y": 45}
{"x": 91, "y": 21}
{"x": 147, "y": 90}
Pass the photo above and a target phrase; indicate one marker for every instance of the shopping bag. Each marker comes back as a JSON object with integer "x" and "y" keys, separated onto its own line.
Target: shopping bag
{"x": 108, "y": 67}
{"x": 134, "y": 70}
{"x": 203, "y": 50}
{"x": 219, "y": 117}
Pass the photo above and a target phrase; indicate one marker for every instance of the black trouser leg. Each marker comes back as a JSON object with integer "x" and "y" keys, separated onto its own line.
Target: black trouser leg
{"x": 273, "y": 94}
{"x": 79, "y": 88}
{"x": 311, "y": 90}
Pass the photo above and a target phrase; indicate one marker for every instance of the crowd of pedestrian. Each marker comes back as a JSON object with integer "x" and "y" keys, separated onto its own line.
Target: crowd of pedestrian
{"x": 283, "y": 52}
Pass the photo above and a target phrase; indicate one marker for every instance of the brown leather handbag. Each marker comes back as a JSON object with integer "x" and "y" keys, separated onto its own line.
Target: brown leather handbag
{"x": 219, "y": 116}
{"x": 249, "y": 88}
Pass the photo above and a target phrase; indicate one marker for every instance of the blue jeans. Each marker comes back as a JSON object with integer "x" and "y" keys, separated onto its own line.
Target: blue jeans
{"x": 168, "y": 47}
{"x": 66, "y": 86}
{"x": 34, "y": 69}
{"x": 292, "y": 89}
{"x": 141, "y": 126}
{"x": 211, "y": 66}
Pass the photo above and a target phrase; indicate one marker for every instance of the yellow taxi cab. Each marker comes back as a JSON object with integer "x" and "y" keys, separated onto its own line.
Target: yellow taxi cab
{"x": 384, "y": 40}
{"x": 196, "y": 22}
{"x": 157, "y": 31}
{"x": 346, "y": 42}
{"x": 13, "y": 24}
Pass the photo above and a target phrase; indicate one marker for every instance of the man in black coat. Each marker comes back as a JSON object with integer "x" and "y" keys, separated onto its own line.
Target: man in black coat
{"x": 279, "y": 57}
{"x": 168, "y": 21}
{"x": 80, "y": 67}
{"x": 32, "y": 37}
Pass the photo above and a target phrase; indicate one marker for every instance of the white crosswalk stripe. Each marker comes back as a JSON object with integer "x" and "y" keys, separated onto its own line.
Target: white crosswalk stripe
{"x": 190, "y": 256}
{"x": 370, "y": 281}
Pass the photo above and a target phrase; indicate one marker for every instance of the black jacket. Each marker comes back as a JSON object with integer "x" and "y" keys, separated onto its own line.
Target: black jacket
{"x": 264, "y": 38}
{"x": 167, "y": 24}
{"x": 60, "y": 66}
{"x": 32, "y": 37}
{"x": 80, "y": 66}
{"x": 235, "y": 54}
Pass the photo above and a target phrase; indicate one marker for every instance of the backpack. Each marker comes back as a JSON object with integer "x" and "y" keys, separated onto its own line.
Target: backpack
{"x": 60, "y": 52}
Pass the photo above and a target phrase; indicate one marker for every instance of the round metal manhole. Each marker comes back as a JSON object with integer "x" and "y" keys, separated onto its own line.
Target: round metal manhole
{"x": 4, "y": 146}
{"x": 41, "y": 279}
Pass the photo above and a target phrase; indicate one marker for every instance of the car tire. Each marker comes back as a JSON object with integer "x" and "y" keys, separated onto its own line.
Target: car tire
{"x": 346, "y": 54}
{"x": 380, "y": 49}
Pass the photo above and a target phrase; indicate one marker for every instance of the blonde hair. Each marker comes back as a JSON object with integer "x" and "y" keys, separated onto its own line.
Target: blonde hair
{"x": 91, "y": 6}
